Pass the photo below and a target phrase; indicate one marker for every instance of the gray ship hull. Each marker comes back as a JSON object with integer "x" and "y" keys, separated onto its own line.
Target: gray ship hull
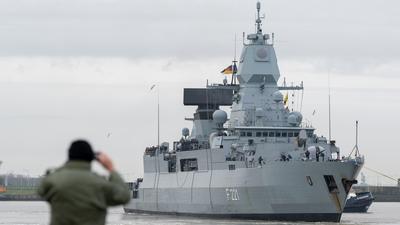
{"x": 275, "y": 191}
{"x": 306, "y": 217}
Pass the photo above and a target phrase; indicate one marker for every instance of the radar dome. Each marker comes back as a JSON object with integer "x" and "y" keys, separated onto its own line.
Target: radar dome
{"x": 299, "y": 116}
{"x": 294, "y": 118}
{"x": 185, "y": 132}
{"x": 259, "y": 112}
{"x": 277, "y": 96}
{"x": 220, "y": 116}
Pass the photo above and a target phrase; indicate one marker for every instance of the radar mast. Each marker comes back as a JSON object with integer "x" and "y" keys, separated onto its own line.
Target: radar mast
{"x": 258, "y": 20}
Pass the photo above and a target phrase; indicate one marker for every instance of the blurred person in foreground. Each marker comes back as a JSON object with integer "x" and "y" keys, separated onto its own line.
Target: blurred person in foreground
{"x": 79, "y": 196}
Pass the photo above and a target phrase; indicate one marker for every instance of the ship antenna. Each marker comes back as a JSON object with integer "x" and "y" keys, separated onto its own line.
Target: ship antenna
{"x": 158, "y": 118}
{"x": 273, "y": 38}
{"x": 157, "y": 86}
{"x": 258, "y": 20}
{"x": 302, "y": 96}
{"x": 355, "y": 149}
{"x": 233, "y": 78}
{"x": 234, "y": 65}
{"x": 234, "y": 57}
{"x": 329, "y": 106}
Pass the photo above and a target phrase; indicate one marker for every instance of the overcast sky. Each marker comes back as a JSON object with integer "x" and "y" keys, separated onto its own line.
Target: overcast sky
{"x": 73, "y": 69}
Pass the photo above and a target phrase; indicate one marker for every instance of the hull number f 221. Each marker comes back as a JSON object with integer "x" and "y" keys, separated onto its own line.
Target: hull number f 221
{"x": 232, "y": 194}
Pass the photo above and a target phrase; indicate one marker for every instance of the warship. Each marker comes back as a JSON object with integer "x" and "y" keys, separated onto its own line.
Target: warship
{"x": 263, "y": 162}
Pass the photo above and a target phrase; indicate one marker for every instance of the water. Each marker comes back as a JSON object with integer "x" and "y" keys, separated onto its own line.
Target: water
{"x": 37, "y": 213}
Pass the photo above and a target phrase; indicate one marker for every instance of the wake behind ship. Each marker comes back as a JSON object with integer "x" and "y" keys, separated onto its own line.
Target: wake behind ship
{"x": 262, "y": 163}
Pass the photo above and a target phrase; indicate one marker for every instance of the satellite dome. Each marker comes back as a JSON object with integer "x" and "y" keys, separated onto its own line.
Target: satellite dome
{"x": 299, "y": 116}
{"x": 220, "y": 116}
{"x": 277, "y": 96}
{"x": 165, "y": 144}
{"x": 292, "y": 120}
{"x": 185, "y": 132}
{"x": 259, "y": 112}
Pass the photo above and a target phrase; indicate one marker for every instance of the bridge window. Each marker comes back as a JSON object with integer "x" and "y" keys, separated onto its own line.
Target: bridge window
{"x": 265, "y": 134}
{"x": 278, "y": 134}
{"x": 284, "y": 134}
{"x": 243, "y": 134}
{"x": 232, "y": 167}
{"x": 249, "y": 134}
{"x": 189, "y": 165}
{"x": 258, "y": 134}
{"x": 290, "y": 134}
{"x": 296, "y": 134}
{"x": 203, "y": 115}
{"x": 271, "y": 134}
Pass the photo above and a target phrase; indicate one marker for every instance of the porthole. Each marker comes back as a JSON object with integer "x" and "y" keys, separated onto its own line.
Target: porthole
{"x": 309, "y": 180}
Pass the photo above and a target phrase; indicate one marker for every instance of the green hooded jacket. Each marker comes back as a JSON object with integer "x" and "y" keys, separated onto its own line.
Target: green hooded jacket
{"x": 79, "y": 196}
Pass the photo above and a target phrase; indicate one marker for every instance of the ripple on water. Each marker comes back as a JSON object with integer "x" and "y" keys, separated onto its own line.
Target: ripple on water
{"x": 37, "y": 213}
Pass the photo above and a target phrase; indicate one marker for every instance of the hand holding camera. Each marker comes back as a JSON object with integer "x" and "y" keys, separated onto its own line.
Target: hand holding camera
{"x": 105, "y": 161}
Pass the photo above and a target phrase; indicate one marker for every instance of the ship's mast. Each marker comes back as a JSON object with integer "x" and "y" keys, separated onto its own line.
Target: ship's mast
{"x": 258, "y": 20}
{"x": 234, "y": 69}
{"x": 329, "y": 116}
{"x": 158, "y": 118}
{"x": 355, "y": 149}
{"x": 329, "y": 107}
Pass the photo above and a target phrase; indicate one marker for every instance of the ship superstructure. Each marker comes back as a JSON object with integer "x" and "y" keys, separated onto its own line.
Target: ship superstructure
{"x": 261, "y": 163}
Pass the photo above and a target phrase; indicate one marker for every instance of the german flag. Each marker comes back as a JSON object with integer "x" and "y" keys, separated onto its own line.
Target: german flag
{"x": 229, "y": 70}
{"x": 285, "y": 99}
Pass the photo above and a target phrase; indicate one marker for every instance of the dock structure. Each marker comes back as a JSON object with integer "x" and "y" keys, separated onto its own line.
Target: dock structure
{"x": 381, "y": 193}
{"x": 19, "y": 187}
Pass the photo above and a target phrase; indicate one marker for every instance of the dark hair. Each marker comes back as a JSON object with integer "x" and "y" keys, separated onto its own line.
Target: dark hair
{"x": 80, "y": 150}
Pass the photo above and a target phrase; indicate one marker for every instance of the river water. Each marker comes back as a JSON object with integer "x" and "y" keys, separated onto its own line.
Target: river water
{"x": 37, "y": 213}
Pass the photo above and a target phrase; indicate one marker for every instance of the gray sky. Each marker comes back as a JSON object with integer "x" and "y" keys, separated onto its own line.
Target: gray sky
{"x": 83, "y": 69}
